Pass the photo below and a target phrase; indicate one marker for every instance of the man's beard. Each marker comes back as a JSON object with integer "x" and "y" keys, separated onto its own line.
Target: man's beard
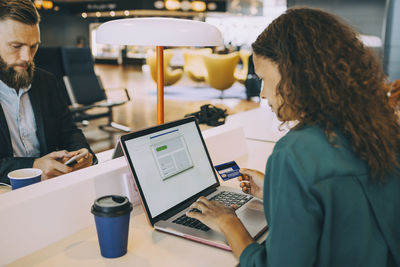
{"x": 16, "y": 79}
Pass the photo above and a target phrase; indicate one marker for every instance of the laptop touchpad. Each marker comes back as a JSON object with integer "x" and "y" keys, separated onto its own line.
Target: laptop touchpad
{"x": 253, "y": 213}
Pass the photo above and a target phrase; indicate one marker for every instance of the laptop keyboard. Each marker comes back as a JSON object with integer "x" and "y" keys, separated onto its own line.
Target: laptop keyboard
{"x": 191, "y": 222}
{"x": 228, "y": 198}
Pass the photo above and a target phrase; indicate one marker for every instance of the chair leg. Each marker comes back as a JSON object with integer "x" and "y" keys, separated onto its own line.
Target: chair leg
{"x": 113, "y": 125}
{"x": 120, "y": 127}
{"x": 81, "y": 124}
{"x": 110, "y": 115}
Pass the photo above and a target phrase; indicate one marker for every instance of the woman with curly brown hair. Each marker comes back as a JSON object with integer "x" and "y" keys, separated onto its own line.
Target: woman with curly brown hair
{"x": 332, "y": 187}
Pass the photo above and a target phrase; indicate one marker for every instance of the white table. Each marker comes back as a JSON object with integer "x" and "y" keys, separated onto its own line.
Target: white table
{"x": 146, "y": 247}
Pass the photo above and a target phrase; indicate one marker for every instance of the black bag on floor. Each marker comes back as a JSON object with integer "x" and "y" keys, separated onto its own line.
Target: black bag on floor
{"x": 210, "y": 115}
{"x": 252, "y": 83}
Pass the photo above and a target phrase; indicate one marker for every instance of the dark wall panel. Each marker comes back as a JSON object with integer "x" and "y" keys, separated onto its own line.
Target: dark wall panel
{"x": 58, "y": 29}
{"x": 367, "y": 16}
{"x": 373, "y": 17}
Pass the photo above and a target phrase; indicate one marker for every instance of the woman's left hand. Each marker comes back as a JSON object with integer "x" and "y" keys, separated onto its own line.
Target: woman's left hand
{"x": 212, "y": 213}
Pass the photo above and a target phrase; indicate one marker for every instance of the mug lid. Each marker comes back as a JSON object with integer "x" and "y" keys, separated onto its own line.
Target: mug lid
{"x": 111, "y": 206}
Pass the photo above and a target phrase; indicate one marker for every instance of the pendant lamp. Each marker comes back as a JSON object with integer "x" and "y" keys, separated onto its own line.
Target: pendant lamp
{"x": 159, "y": 32}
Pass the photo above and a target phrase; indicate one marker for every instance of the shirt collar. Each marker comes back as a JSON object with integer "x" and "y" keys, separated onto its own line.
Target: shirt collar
{"x": 5, "y": 87}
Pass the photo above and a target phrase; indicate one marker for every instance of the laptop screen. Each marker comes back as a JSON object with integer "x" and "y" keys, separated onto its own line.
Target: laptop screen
{"x": 170, "y": 164}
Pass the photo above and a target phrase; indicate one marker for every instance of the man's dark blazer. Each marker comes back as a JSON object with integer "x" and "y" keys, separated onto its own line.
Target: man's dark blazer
{"x": 55, "y": 127}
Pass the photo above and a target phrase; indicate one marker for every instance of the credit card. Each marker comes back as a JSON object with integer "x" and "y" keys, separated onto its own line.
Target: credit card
{"x": 228, "y": 170}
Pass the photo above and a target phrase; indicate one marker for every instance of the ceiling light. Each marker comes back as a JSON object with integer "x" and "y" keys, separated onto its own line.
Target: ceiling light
{"x": 159, "y": 4}
{"x": 126, "y": 13}
{"x": 98, "y": 14}
{"x": 198, "y": 6}
{"x": 47, "y": 4}
{"x": 38, "y": 4}
{"x": 185, "y": 5}
{"x": 84, "y": 15}
{"x": 112, "y": 13}
{"x": 212, "y": 6}
{"x": 172, "y": 4}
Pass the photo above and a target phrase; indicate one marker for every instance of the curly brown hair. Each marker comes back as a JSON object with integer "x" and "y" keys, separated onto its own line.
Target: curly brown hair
{"x": 329, "y": 78}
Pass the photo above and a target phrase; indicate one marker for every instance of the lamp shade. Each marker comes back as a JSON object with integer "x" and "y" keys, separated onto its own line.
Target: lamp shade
{"x": 159, "y": 32}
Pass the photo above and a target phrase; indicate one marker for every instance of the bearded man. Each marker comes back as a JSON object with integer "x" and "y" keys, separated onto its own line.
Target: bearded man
{"x": 36, "y": 127}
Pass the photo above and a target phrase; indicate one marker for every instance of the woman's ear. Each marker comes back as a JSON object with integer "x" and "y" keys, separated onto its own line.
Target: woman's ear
{"x": 394, "y": 93}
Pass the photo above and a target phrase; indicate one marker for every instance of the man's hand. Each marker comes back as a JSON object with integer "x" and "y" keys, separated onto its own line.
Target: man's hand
{"x": 52, "y": 165}
{"x": 84, "y": 162}
{"x": 252, "y": 182}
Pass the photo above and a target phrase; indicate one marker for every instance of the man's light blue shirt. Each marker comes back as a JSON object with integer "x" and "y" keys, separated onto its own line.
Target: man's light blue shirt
{"x": 21, "y": 121}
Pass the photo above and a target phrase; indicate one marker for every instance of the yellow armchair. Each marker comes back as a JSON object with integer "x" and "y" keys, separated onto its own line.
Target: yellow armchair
{"x": 220, "y": 70}
{"x": 194, "y": 66}
{"x": 170, "y": 76}
{"x": 241, "y": 74}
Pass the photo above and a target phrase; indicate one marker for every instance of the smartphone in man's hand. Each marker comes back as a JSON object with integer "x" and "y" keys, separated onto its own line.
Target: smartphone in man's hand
{"x": 72, "y": 161}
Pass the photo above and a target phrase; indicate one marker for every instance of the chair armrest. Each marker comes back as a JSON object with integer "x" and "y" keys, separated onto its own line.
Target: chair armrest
{"x": 75, "y": 109}
{"x": 109, "y": 103}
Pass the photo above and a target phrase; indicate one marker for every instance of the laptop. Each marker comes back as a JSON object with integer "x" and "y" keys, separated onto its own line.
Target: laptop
{"x": 171, "y": 168}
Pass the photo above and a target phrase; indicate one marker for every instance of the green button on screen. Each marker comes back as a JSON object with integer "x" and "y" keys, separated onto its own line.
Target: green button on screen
{"x": 161, "y": 148}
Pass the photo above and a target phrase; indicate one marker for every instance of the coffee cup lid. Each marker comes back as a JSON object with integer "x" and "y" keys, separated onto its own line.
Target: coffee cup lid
{"x": 111, "y": 206}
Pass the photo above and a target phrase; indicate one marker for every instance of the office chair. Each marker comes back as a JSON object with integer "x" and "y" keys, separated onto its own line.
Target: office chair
{"x": 49, "y": 59}
{"x": 220, "y": 70}
{"x": 85, "y": 89}
{"x": 241, "y": 74}
{"x": 170, "y": 76}
{"x": 194, "y": 65}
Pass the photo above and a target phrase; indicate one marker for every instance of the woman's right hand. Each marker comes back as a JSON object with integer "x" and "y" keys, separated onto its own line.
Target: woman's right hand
{"x": 251, "y": 182}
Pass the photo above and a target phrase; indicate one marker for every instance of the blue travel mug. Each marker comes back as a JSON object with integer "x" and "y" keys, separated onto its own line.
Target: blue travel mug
{"x": 111, "y": 214}
{"x": 24, "y": 177}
